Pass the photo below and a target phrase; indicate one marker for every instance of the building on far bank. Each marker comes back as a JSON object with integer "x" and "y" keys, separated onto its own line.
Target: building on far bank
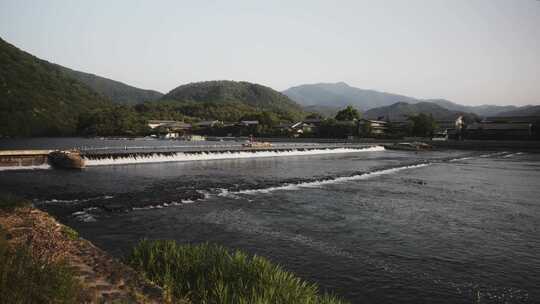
{"x": 169, "y": 129}
{"x": 152, "y": 124}
{"x": 505, "y": 128}
{"x": 296, "y": 129}
{"x": 207, "y": 123}
{"x": 367, "y": 128}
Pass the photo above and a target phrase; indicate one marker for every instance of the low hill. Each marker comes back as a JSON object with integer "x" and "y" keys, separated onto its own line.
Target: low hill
{"x": 339, "y": 95}
{"x": 258, "y": 97}
{"x": 116, "y": 91}
{"x": 37, "y": 98}
{"x": 400, "y": 110}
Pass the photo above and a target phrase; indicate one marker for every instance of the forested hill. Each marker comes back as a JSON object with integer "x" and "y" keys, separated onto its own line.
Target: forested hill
{"x": 37, "y": 98}
{"x": 116, "y": 91}
{"x": 258, "y": 97}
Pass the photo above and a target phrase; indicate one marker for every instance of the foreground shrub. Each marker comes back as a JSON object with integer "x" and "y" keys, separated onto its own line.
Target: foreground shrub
{"x": 208, "y": 273}
{"x": 24, "y": 279}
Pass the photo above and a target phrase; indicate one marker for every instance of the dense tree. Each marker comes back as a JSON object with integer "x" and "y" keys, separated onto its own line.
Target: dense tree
{"x": 349, "y": 113}
{"x": 331, "y": 128}
{"x": 422, "y": 125}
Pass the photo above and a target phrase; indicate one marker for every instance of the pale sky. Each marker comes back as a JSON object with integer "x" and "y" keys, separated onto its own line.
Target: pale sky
{"x": 469, "y": 51}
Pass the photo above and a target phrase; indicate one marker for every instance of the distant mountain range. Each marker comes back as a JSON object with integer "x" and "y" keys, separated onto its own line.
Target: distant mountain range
{"x": 41, "y": 98}
{"x": 338, "y": 95}
{"x": 116, "y": 91}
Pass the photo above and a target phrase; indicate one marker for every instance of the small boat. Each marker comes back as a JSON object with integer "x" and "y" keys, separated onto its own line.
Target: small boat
{"x": 70, "y": 159}
{"x": 415, "y": 146}
{"x": 252, "y": 143}
{"x": 257, "y": 144}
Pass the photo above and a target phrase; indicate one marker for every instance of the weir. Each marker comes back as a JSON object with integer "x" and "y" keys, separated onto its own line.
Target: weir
{"x": 79, "y": 159}
{"x": 23, "y": 158}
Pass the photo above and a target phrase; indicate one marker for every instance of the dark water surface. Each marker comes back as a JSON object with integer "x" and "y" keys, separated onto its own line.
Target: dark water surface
{"x": 372, "y": 227}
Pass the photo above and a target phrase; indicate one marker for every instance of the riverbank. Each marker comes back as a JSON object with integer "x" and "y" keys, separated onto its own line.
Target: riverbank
{"x": 102, "y": 278}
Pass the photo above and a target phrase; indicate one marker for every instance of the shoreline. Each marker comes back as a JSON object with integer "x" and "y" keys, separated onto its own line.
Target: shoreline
{"x": 103, "y": 279}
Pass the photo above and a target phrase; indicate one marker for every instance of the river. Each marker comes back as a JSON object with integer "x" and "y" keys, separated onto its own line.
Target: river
{"x": 372, "y": 226}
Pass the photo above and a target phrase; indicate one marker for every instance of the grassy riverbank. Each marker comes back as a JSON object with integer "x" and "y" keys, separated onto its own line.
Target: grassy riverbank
{"x": 208, "y": 273}
{"x": 43, "y": 261}
{"x": 27, "y": 279}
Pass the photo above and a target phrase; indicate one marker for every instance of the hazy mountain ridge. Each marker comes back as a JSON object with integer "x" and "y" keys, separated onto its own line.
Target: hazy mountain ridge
{"x": 116, "y": 91}
{"x": 341, "y": 94}
{"x": 522, "y": 111}
{"x": 338, "y": 95}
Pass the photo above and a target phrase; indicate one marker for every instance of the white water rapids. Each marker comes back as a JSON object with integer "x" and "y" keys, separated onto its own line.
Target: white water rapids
{"x": 182, "y": 157}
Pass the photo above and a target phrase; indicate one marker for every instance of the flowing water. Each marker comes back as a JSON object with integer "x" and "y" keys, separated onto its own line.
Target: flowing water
{"x": 372, "y": 226}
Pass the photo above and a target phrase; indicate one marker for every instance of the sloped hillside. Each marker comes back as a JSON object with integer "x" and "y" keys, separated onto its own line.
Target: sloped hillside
{"x": 116, "y": 91}
{"x": 37, "y": 98}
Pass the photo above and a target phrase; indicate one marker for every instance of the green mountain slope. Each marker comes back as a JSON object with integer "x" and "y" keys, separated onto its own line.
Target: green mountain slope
{"x": 256, "y": 96}
{"x": 37, "y": 98}
{"x": 116, "y": 91}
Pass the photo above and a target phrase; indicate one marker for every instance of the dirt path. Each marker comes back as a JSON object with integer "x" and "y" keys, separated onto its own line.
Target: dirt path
{"x": 104, "y": 279}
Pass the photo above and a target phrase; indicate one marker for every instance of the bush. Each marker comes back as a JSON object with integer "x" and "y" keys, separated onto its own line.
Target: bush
{"x": 24, "y": 279}
{"x": 208, "y": 273}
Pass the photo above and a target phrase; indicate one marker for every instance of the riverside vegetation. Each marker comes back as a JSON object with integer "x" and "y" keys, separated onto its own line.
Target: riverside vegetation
{"x": 209, "y": 273}
{"x": 203, "y": 273}
{"x": 27, "y": 279}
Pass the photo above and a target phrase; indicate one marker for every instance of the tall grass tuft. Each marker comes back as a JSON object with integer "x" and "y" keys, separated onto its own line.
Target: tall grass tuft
{"x": 24, "y": 279}
{"x": 208, "y": 273}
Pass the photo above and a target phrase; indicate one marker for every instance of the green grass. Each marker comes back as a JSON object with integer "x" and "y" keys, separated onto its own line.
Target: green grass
{"x": 8, "y": 202}
{"x": 24, "y": 279}
{"x": 207, "y": 273}
{"x": 70, "y": 233}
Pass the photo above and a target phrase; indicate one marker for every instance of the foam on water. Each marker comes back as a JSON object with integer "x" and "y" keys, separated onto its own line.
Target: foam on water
{"x": 181, "y": 156}
{"x": 316, "y": 184}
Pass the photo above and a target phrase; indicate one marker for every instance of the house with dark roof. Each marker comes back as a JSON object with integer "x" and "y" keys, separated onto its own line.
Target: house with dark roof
{"x": 367, "y": 128}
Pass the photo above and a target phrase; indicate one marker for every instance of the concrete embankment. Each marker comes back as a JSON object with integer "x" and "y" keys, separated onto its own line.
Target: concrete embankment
{"x": 14, "y": 158}
{"x": 103, "y": 279}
